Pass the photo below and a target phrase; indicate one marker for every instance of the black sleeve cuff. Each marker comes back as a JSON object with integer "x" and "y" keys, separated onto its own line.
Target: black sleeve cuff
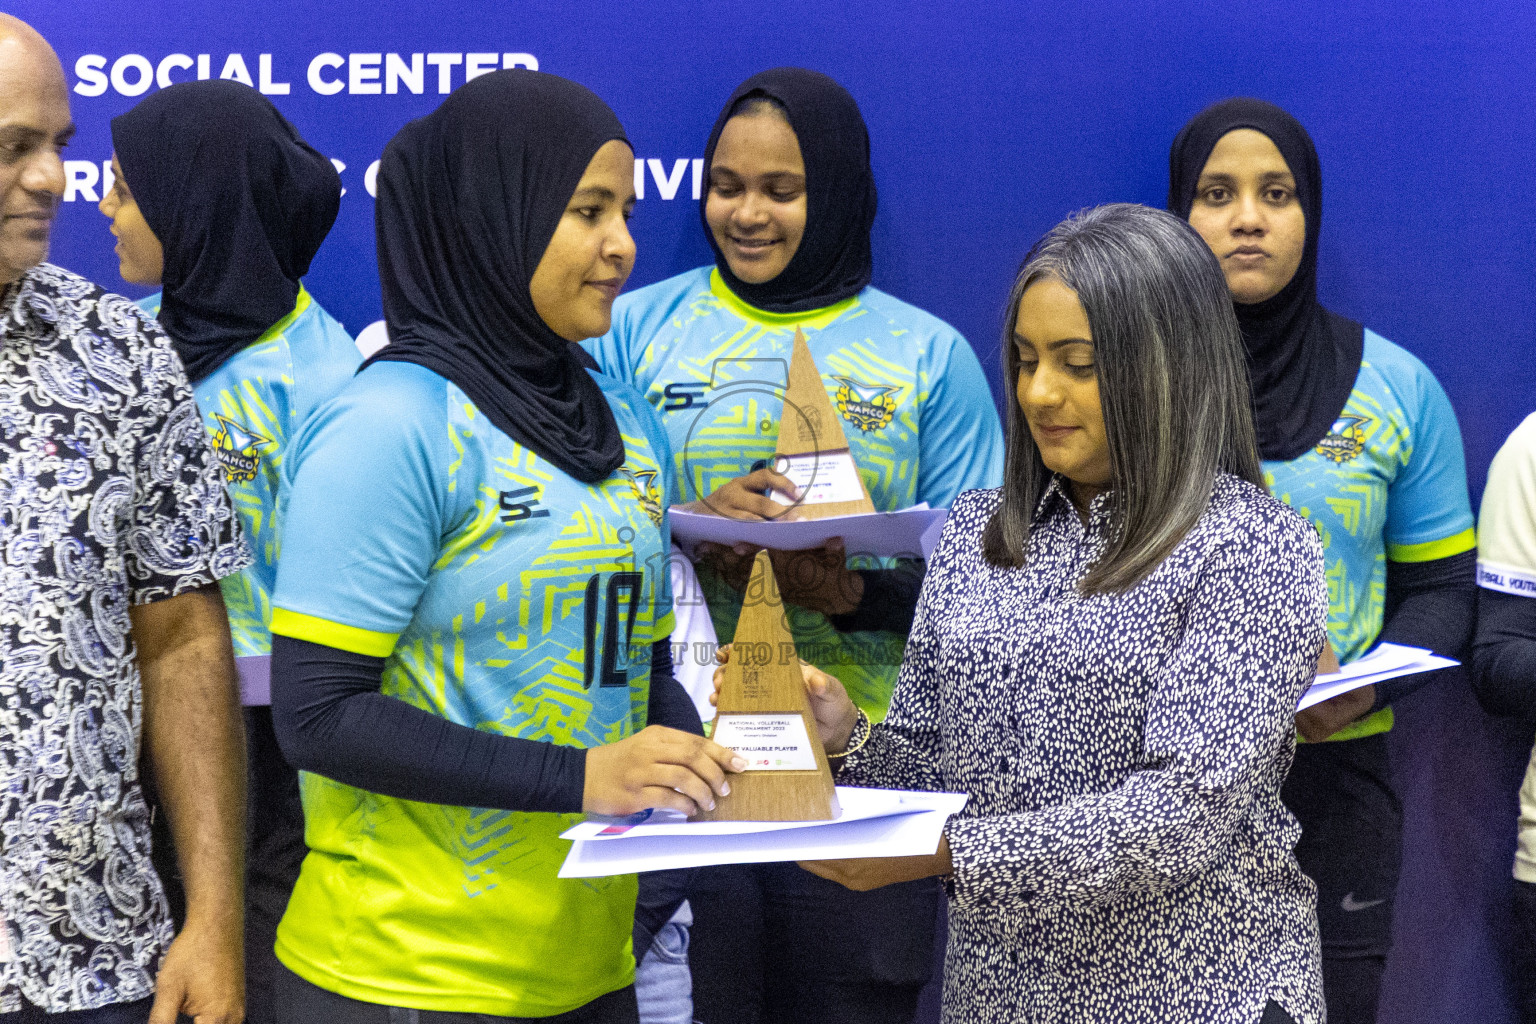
{"x": 670, "y": 703}
{"x": 1429, "y": 604}
{"x": 889, "y": 602}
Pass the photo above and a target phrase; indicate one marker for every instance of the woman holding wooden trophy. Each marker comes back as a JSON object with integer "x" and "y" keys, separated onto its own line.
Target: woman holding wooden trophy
{"x": 1107, "y": 656}
{"x": 905, "y": 417}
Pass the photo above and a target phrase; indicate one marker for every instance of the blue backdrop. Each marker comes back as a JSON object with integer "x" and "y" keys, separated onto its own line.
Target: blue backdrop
{"x": 990, "y": 121}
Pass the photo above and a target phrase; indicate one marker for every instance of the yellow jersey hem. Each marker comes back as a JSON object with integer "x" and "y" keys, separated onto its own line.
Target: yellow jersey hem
{"x": 439, "y": 1002}
{"x": 1371, "y": 725}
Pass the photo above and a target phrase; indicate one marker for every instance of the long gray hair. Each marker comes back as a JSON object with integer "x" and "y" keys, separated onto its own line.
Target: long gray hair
{"x": 1172, "y": 384}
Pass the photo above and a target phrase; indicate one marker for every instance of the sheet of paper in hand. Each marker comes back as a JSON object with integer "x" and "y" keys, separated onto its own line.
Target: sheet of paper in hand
{"x": 910, "y": 533}
{"x": 1387, "y": 661}
{"x": 870, "y": 823}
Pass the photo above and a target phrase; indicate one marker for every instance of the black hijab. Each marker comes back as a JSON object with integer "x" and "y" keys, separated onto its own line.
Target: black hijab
{"x": 468, "y": 199}
{"x": 1302, "y": 359}
{"x": 833, "y": 261}
{"x": 240, "y": 204}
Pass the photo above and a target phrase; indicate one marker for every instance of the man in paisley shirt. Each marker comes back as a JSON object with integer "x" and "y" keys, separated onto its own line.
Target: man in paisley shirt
{"x": 114, "y": 532}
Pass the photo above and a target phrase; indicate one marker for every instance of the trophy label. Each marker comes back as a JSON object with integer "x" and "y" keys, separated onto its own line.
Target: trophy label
{"x": 821, "y": 477}
{"x": 770, "y": 743}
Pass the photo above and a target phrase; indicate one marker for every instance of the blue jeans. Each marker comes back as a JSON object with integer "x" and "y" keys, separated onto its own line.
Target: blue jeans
{"x": 117, "y": 1013}
{"x": 663, "y": 983}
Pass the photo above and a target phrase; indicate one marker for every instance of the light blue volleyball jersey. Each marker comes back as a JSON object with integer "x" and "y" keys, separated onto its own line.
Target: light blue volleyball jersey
{"x": 505, "y": 596}
{"x": 908, "y": 389}
{"x": 506, "y": 593}
{"x": 253, "y": 406}
{"x": 1389, "y": 481}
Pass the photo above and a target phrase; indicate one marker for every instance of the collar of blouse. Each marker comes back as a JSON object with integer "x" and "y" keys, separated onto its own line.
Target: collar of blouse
{"x": 1058, "y": 500}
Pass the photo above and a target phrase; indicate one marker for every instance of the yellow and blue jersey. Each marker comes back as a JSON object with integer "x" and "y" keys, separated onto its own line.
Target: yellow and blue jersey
{"x": 506, "y": 596}
{"x": 253, "y": 406}
{"x": 907, "y": 387}
{"x": 1389, "y": 481}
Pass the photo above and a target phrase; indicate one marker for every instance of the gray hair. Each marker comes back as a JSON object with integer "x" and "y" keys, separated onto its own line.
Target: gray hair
{"x": 1173, "y": 385}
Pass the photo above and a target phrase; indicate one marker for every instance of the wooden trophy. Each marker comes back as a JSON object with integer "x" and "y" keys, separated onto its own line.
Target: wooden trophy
{"x": 765, "y": 716}
{"x": 813, "y": 450}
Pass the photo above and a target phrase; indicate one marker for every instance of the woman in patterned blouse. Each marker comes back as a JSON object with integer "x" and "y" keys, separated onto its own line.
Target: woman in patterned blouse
{"x": 1107, "y": 657}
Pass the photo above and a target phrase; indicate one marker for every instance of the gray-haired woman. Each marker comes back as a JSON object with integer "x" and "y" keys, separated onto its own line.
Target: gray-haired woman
{"x": 1107, "y": 657}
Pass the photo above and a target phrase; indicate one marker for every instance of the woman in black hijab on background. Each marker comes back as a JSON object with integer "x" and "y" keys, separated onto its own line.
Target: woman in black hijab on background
{"x": 788, "y": 211}
{"x": 471, "y": 552}
{"x": 1358, "y": 436}
{"x": 219, "y": 201}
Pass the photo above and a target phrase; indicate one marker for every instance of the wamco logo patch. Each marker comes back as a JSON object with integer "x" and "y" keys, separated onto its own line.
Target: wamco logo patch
{"x": 866, "y": 406}
{"x": 238, "y": 450}
{"x": 1345, "y": 439}
{"x": 643, "y": 483}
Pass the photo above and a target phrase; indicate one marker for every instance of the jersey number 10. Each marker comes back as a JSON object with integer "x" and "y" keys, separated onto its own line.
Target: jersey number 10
{"x": 625, "y": 587}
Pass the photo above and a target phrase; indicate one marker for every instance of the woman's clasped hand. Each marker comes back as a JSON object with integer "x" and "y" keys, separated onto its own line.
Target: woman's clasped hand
{"x": 658, "y": 767}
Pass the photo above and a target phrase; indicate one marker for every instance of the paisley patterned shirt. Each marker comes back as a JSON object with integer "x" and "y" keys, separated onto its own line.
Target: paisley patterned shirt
{"x": 109, "y": 497}
{"x": 1124, "y": 855}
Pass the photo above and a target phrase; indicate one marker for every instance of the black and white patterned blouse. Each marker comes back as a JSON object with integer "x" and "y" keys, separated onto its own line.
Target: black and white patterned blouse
{"x": 1124, "y": 857}
{"x": 109, "y": 497}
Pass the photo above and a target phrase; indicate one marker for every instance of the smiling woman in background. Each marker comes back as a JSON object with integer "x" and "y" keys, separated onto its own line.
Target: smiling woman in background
{"x": 788, "y": 212}
{"x": 1358, "y": 436}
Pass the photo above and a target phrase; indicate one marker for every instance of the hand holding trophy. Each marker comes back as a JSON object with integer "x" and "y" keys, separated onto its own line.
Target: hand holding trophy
{"x": 830, "y": 705}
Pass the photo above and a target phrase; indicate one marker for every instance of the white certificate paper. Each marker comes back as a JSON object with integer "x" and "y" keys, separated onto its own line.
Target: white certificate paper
{"x": 1388, "y": 661}
{"x": 820, "y": 477}
{"x": 912, "y": 532}
{"x": 770, "y": 743}
{"x": 873, "y": 823}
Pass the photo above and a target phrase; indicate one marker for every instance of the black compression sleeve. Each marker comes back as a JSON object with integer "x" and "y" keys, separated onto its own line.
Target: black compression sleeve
{"x": 670, "y": 704}
{"x": 662, "y": 892}
{"x": 889, "y": 602}
{"x": 1429, "y": 604}
{"x": 331, "y": 719}
{"x": 1504, "y": 654}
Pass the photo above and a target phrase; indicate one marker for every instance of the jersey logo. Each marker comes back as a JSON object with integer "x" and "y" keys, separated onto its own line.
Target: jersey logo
{"x": 1345, "y": 439}
{"x": 1351, "y": 905}
{"x": 514, "y": 509}
{"x": 682, "y": 395}
{"x": 238, "y": 450}
{"x": 643, "y": 483}
{"x": 866, "y": 406}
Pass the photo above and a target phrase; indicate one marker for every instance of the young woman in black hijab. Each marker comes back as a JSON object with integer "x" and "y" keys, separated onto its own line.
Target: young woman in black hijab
{"x": 472, "y": 612}
{"x": 219, "y": 201}
{"x": 788, "y": 210}
{"x": 1358, "y": 436}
